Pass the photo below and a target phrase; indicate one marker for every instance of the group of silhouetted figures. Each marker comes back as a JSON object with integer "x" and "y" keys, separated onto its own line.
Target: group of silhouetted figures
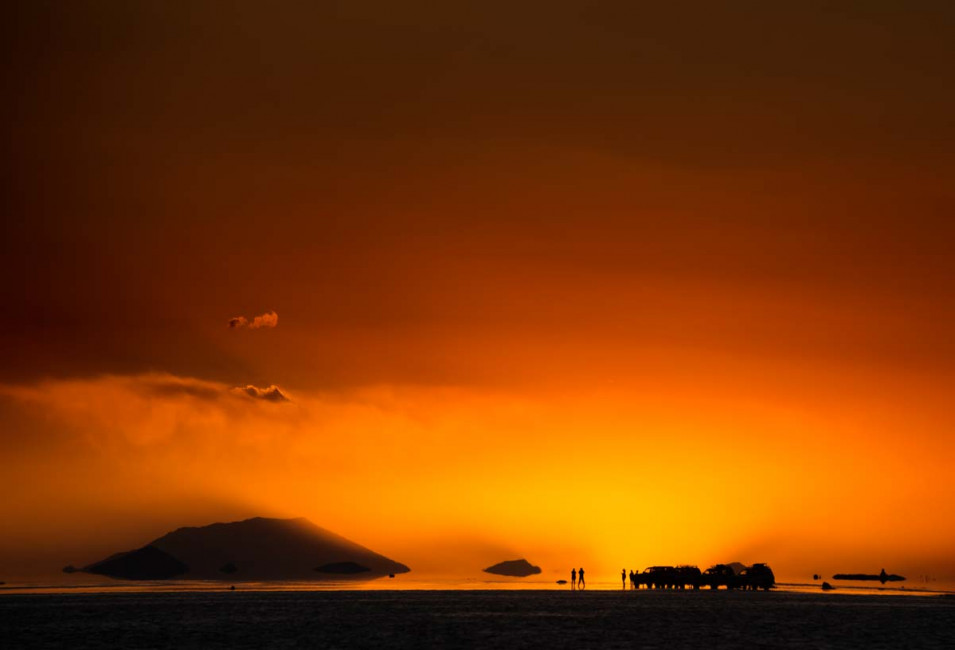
{"x": 577, "y": 579}
{"x": 634, "y": 578}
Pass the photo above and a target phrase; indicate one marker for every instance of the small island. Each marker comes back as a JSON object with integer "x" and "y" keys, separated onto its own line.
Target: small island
{"x": 514, "y": 569}
{"x": 882, "y": 577}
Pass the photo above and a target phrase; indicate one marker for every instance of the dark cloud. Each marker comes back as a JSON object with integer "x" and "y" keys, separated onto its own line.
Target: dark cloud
{"x": 238, "y": 321}
{"x": 270, "y": 394}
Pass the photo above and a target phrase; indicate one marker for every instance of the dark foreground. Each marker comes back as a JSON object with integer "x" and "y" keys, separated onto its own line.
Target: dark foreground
{"x": 478, "y": 619}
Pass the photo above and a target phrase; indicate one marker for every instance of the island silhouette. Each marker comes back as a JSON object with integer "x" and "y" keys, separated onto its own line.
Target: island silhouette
{"x": 254, "y": 549}
{"x": 514, "y": 568}
{"x": 882, "y": 577}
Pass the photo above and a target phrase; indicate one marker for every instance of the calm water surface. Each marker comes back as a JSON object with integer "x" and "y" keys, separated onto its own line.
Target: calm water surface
{"x": 474, "y": 619}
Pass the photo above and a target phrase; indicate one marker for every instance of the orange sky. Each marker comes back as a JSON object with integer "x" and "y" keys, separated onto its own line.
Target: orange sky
{"x": 614, "y": 284}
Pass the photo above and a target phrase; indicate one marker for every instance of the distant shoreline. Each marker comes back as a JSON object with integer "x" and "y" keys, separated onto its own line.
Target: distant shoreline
{"x": 202, "y": 586}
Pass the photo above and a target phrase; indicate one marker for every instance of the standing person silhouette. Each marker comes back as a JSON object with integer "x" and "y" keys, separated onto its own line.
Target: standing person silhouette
{"x": 573, "y": 579}
{"x": 623, "y": 578}
{"x": 580, "y": 576}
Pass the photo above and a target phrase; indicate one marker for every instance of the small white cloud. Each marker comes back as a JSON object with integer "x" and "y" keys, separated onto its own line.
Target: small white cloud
{"x": 268, "y": 319}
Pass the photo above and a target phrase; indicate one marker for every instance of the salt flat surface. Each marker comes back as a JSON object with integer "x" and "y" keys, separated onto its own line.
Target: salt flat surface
{"x": 474, "y": 619}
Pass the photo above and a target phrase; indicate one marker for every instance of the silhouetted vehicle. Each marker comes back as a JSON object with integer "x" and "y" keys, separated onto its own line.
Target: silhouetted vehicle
{"x": 655, "y": 577}
{"x": 720, "y": 575}
{"x": 689, "y": 576}
{"x": 668, "y": 577}
{"x": 758, "y": 576}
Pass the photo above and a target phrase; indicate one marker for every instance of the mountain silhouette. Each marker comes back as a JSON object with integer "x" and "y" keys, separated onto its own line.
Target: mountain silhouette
{"x": 146, "y": 563}
{"x": 514, "y": 568}
{"x": 738, "y": 567}
{"x": 253, "y": 549}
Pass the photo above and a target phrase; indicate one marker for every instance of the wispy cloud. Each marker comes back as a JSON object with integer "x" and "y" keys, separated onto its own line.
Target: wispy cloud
{"x": 268, "y": 319}
{"x": 161, "y": 391}
{"x": 164, "y": 385}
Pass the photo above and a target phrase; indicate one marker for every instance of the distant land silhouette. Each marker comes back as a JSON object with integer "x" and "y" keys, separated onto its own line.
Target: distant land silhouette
{"x": 882, "y": 577}
{"x": 342, "y": 568}
{"x": 514, "y": 568}
{"x": 253, "y": 549}
{"x": 737, "y": 567}
{"x": 146, "y": 563}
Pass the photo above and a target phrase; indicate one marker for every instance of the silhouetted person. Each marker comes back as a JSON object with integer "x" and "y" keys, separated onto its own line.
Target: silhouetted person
{"x": 633, "y": 579}
{"x": 623, "y": 578}
{"x": 573, "y": 578}
{"x": 580, "y": 578}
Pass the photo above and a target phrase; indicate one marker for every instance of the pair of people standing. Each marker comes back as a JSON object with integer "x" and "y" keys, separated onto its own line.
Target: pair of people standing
{"x": 576, "y": 576}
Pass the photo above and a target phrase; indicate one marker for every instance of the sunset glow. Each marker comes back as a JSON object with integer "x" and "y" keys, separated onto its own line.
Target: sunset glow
{"x": 616, "y": 287}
